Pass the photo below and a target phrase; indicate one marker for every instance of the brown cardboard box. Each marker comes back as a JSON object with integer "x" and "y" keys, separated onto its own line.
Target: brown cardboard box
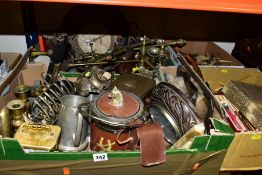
{"x": 20, "y": 70}
{"x": 217, "y": 77}
{"x": 178, "y": 161}
{"x": 244, "y": 153}
{"x": 15, "y": 62}
{"x": 12, "y": 60}
{"x": 31, "y": 73}
{"x": 208, "y": 162}
{"x": 210, "y": 48}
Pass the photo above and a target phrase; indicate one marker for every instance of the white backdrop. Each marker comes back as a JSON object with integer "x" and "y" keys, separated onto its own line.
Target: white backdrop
{"x": 13, "y": 43}
{"x": 17, "y": 43}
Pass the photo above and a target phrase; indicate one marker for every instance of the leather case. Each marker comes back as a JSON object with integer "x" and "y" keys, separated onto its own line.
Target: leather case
{"x": 138, "y": 85}
{"x": 152, "y": 144}
{"x": 149, "y": 138}
{"x": 102, "y": 140}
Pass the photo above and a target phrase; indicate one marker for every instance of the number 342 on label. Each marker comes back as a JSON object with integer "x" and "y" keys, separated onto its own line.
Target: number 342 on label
{"x": 100, "y": 157}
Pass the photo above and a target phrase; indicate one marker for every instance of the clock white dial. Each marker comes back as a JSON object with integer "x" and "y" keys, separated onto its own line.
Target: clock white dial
{"x": 100, "y": 43}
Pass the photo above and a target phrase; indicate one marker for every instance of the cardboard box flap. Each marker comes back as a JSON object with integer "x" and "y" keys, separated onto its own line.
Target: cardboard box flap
{"x": 198, "y": 47}
{"x": 244, "y": 153}
{"x": 11, "y": 58}
{"x": 21, "y": 63}
{"x": 214, "y": 50}
{"x": 118, "y": 162}
{"x": 210, "y": 49}
{"x": 257, "y": 78}
{"x": 220, "y": 125}
{"x": 217, "y": 77}
{"x": 32, "y": 73}
{"x": 212, "y": 142}
{"x": 176, "y": 164}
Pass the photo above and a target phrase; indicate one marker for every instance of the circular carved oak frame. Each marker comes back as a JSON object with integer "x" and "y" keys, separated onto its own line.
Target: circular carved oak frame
{"x": 177, "y": 105}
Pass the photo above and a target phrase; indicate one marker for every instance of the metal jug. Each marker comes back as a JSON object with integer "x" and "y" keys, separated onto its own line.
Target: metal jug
{"x": 75, "y": 134}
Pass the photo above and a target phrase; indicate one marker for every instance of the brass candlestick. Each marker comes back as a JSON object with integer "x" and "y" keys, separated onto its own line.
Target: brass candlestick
{"x": 5, "y": 123}
{"x": 37, "y": 91}
{"x": 17, "y": 108}
{"x": 21, "y": 91}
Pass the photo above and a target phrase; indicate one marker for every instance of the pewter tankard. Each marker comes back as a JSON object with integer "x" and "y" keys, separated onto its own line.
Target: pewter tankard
{"x": 75, "y": 134}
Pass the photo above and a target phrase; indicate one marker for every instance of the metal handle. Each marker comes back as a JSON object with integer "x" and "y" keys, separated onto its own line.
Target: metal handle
{"x": 64, "y": 86}
{"x": 83, "y": 112}
{"x": 44, "y": 77}
{"x": 73, "y": 88}
{"x": 77, "y": 134}
{"x": 88, "y": 116}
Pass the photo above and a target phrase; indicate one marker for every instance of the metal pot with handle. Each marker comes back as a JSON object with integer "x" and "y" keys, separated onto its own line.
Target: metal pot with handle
{"x": 75, "y": 134}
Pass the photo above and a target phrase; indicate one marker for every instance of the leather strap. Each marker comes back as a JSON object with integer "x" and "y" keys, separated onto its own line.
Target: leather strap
{"x": 152, "y": 145}
{"x": 122, "y": 142}
{"x": 131, "y": 142}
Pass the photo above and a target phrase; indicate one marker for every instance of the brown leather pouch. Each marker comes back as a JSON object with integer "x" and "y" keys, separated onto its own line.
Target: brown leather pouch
{"x": 152, "y": 145}
{"x": 103, "y": 140}
{"x": 149, "y": 138}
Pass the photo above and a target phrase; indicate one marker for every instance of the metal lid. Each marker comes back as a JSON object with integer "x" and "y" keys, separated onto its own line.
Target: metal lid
{"x": 129, "y": 108}
{"x": 117, "y": 115}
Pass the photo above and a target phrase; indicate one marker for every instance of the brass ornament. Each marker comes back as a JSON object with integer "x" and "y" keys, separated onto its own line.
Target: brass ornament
{"x": 5, "y": 123}
{"x": 17, "y": 109}
{"x": 40, "y": 137}
{"x": 21, "y": 91}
